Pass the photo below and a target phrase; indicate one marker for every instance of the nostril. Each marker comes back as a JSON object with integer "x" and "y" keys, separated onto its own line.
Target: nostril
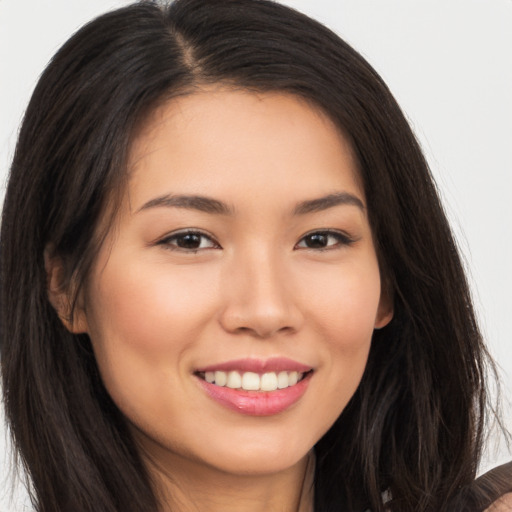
{"x": 264, "y": 331}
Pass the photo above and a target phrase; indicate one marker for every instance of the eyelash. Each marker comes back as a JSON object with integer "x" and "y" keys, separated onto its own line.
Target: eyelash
{"x": 341, "y": 239}
{"x": 168, "y": 241}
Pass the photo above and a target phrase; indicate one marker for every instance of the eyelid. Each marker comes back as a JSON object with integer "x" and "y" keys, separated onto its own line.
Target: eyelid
{"x": 343, "y": 239}
{"x": 165, "y": 240}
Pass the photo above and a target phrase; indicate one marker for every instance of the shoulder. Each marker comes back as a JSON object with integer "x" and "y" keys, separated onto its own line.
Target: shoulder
{"x": 497, "y": 486}
{"x": 491, "y": 492}
{"x": 502, "y": 504}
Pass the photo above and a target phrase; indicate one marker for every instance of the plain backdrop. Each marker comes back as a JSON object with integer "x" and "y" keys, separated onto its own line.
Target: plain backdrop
{"x": 448, "y": 63}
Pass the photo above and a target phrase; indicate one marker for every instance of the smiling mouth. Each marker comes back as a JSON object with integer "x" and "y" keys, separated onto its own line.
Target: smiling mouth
{"x": 251, "y": 381}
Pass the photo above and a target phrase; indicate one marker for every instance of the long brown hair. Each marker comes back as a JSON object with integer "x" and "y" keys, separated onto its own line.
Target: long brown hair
{"x": 414, "y": 426}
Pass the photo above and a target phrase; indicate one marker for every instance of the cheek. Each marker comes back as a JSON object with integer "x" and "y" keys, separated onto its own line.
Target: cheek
{"x": 345, "y": 303}
{"x": 143, "y": 321}
{"x": 352, "y": 326}
{"x": 345, "y": 306}
{"x": 149, "y": 307}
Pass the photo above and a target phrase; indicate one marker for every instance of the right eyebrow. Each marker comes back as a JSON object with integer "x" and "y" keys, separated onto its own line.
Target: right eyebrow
{"x": 191, "y": 202}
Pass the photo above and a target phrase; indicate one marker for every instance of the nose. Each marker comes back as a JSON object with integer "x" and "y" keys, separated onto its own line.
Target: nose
{"x": 259, "y": 297}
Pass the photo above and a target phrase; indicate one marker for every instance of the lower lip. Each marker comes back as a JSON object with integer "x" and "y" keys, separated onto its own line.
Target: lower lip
{"x": 257, "y": 403}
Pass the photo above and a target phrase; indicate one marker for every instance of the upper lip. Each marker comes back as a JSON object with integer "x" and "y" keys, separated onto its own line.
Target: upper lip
{"x": 274, "y": 364}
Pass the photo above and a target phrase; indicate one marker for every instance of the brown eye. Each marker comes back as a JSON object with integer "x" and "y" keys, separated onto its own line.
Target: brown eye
{"x": 189, "y": 241}
{"x": 316, "y": 241}
{"x": 324, "y": 240}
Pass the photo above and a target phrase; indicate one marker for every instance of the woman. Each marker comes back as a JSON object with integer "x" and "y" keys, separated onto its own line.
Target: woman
{"x": 227, "y": 280}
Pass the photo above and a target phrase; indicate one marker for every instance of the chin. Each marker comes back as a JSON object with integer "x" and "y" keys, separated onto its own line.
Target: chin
{"x": 259, "y": 465}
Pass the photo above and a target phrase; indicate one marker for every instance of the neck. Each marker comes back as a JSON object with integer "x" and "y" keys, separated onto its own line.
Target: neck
{"x": 191, "y": 487}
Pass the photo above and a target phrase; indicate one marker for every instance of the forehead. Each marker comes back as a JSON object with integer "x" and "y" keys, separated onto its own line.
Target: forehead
{"x": 234, "y": 140}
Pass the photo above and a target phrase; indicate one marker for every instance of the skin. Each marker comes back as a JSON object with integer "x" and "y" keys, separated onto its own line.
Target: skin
{"x": 255, "y": 287}
{"x": 503, "y": 504}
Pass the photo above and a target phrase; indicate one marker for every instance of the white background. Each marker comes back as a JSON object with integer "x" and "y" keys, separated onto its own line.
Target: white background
{"x": 449, "y": 64}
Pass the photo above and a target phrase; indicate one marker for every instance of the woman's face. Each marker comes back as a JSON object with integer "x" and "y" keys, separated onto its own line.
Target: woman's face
{"x": 241, "y": 257}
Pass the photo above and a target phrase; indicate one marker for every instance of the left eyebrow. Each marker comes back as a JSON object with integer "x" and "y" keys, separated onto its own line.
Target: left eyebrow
{"x": 329, "y": 201}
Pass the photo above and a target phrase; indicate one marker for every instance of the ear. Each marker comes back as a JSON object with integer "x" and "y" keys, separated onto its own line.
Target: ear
{"x": 60, "y": 294}
{"x": 385, "y": 310}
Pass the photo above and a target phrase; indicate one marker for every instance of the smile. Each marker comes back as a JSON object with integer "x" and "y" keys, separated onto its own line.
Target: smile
{"x": 254, "y": 387}
{"x": 252, "y": 381}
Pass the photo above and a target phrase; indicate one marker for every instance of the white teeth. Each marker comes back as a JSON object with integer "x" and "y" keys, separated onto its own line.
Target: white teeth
{"x": 282, "y": 380}
{"x": 268, "y": 382}
{"x": 234, "y": 380}
{"x": 251, "y": 381}
{"x": 221, "y": 378}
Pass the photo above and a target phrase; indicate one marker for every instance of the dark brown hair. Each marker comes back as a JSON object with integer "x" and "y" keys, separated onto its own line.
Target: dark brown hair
{"x": 415, "y": 424}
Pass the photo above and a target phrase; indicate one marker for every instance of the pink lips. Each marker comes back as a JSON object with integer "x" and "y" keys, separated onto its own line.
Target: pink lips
{"x": 257, "y": 403}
